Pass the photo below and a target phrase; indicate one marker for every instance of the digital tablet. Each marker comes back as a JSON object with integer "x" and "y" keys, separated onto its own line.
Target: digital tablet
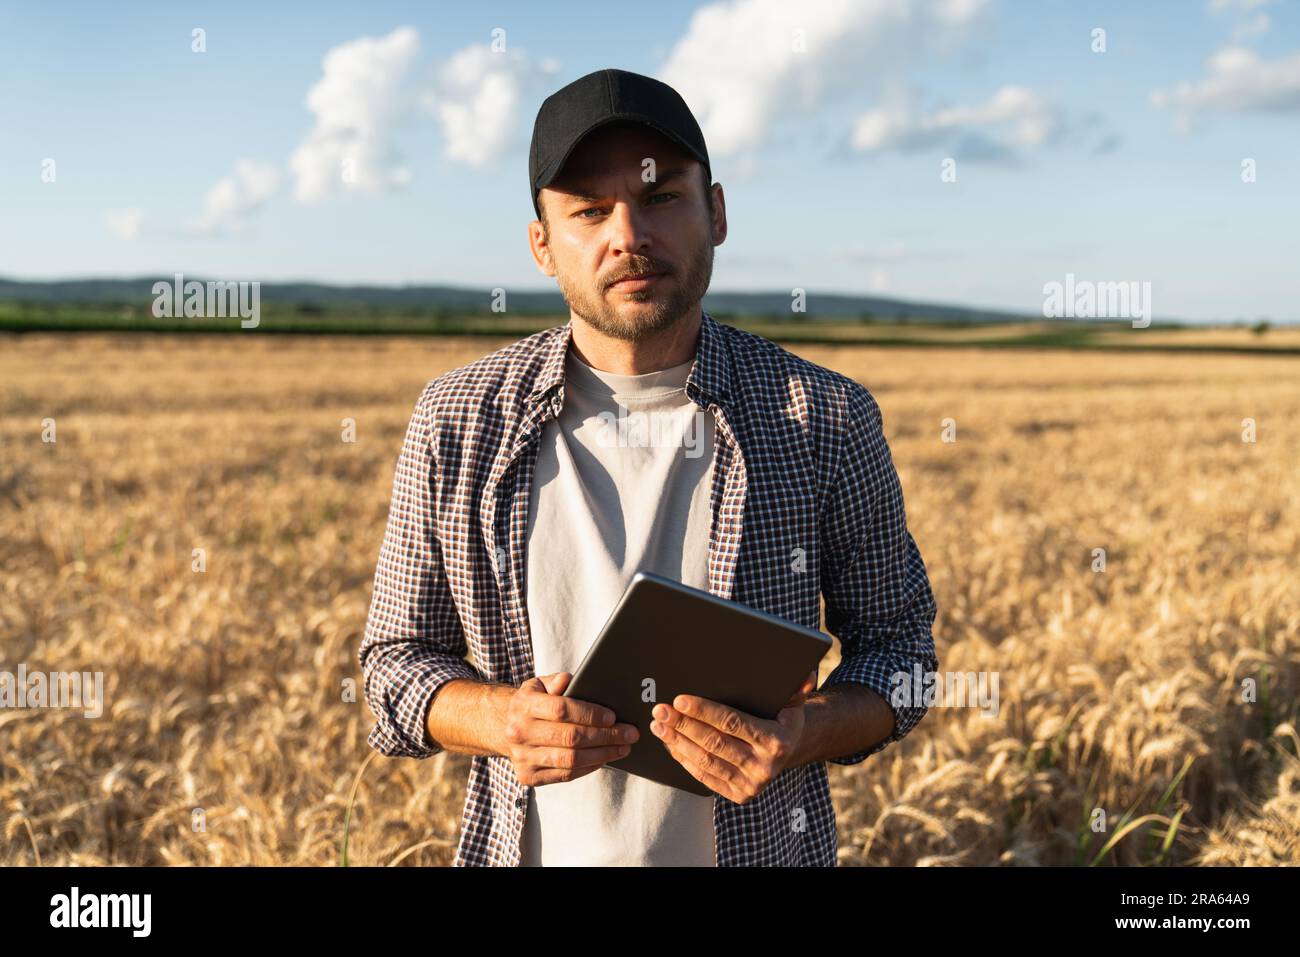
{"x": 664, "y": 639}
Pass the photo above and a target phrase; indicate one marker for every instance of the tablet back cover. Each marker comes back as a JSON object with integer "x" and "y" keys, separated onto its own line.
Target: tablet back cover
{"x": 664, "y": 639}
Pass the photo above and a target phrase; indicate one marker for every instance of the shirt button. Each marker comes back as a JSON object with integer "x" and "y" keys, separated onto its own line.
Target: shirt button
{"x": 519, "y": 802}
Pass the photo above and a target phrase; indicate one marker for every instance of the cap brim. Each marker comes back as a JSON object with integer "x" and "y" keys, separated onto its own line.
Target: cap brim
{"x": 552, "y": 170}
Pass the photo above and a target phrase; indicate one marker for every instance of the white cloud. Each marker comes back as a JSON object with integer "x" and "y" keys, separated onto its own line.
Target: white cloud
{"x": 357, "y": 102}
{"x": 1017, "y": 115}
{"x": 1256, "y": 26}
{"x": 476, "y": 101}
{"x": 741, "y": 69}
{"x": 1217, "y": 6}
{"x": 1240, "y": 80}
{"x": 125, "y": 223}
{"x": 234, "y": 198}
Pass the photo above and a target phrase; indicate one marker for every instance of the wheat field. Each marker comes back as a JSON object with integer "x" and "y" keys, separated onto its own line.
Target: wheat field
{"x": 1160, "y": 691}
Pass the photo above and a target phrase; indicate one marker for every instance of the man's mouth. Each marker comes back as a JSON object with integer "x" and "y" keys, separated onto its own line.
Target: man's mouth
{"x": 634, "y": 283}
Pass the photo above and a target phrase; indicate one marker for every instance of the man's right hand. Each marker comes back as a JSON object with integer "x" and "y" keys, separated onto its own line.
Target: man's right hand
{"x": 551, "y": 738}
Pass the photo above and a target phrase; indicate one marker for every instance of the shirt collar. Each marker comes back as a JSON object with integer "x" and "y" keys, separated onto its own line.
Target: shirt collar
{"x": 709, "y": 380}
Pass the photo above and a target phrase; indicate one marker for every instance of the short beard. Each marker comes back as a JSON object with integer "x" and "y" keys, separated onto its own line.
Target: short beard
{"x": 684, "y": 292}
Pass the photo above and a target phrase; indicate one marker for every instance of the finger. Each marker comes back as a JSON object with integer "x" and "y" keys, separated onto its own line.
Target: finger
{"x": 711, "y": 781}
{"x": 731, "y": 721}
{"x": 725, "y": 788}
{"x": 709, "y": 738}
{"x": 542, "y": 776}
{"x": 799, "y": 697}
{"x": 556, "y": 683}
{"x": 693, "y": 757}
{"x": 570, "y": 758}
{"x": 533, "y": 684}
{"x": 554, "y": 707}
{"x": 559, "y": 734}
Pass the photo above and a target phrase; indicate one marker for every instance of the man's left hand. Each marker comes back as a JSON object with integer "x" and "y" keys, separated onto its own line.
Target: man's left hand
{"x": 731, "y": 752}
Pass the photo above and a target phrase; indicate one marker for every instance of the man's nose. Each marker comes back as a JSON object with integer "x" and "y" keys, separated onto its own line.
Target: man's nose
{"x": 628, "y": 229}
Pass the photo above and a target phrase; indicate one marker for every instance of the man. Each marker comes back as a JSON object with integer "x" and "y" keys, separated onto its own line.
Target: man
{"x": 643, "y": 434}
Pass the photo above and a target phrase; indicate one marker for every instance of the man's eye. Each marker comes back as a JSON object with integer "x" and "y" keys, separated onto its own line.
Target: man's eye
{"x": 582, "y": 213}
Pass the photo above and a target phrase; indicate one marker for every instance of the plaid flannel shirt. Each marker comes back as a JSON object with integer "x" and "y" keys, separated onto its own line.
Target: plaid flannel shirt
{"x": 806, "y": 503}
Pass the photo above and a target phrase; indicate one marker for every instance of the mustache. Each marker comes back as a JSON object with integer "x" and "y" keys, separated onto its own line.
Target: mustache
{"x": 638, "y": 271}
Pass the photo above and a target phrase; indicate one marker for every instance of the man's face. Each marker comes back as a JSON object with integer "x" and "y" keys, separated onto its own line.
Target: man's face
{"x": 604, "y": 224}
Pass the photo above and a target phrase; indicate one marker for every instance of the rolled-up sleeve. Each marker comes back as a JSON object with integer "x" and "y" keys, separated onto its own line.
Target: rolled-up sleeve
{"x": 413, "y": 642}
{"x": 879, "y": 604}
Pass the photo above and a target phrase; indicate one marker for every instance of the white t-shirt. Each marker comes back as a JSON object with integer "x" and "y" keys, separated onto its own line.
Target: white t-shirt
{"x": 622, "y": 484}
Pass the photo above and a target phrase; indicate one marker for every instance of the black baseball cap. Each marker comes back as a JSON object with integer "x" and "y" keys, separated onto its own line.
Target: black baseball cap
{"x": 600, "y": 98}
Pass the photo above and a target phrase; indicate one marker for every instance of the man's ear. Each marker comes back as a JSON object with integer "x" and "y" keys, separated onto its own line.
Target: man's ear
{"x": 719, "y": 204}
{"x": 540, "y": 248}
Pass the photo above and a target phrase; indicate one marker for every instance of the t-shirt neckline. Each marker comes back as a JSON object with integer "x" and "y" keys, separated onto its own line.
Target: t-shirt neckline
{"x": 661, "y": 382}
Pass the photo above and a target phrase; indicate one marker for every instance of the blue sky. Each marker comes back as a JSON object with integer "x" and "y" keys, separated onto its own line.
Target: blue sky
{"x": 828, "y": 124}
